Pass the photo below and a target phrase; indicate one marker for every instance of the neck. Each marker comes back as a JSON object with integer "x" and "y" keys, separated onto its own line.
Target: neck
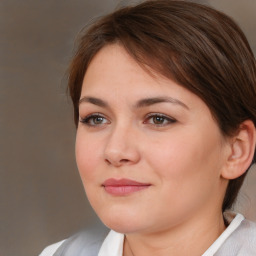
{"x": 179, "y": 241}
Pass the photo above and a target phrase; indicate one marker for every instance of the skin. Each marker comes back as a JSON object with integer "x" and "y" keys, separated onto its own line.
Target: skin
{"x": 181, "y": 155}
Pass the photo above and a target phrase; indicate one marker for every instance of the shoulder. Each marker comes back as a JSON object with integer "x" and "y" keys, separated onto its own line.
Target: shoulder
{"x": 87, "y": 242}
{"x": 246, "y": 233}
{"x": 242, "y": 242}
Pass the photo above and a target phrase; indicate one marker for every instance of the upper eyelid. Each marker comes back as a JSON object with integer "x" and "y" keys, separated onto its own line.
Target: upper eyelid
{"x": 93, "y": 115}
{"x": 160, "y": 114}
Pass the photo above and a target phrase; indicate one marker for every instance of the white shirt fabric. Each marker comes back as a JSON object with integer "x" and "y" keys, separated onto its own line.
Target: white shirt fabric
{"x": 113, "y": 243}
{"x": 50, "y": 250}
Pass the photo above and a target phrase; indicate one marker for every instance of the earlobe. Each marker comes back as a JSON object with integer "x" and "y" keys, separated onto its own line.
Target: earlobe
{"x": 242, "y": 151}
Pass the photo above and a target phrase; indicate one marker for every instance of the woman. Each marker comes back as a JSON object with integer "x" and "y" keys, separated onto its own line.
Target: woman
{"x": 164, "y": 103}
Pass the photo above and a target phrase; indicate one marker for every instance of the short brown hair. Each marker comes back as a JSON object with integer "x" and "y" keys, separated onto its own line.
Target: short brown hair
{"x": 198, "y": 47}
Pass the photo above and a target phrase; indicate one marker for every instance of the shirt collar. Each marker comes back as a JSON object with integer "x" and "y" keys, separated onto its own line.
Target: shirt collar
{"x": 112, "y": 245}
{"x": 234, "y": 220}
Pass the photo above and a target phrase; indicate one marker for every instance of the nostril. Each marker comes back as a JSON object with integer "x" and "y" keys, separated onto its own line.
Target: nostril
{"x": 124, "y": 160}
{"x": 107, "y": 161}
{"x": 117, "y": 163}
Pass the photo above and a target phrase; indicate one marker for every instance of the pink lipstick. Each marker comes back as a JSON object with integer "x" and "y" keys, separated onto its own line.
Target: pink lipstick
{"x": 123, "y": 187}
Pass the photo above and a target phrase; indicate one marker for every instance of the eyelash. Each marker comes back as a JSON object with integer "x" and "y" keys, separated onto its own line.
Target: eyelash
{"x": 92, "y": 117}
{"x": 166, "y": 120}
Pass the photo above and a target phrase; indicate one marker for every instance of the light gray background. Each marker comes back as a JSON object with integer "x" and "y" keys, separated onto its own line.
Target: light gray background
{"x": 41, "y": 195}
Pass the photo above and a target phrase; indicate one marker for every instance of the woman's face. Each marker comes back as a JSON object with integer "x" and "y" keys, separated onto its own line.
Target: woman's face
{"x": 149, "y": 152}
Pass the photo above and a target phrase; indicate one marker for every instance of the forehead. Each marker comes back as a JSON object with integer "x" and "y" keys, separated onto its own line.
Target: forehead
{"x": 115, "y": 76}
{"x": 113, "y": 62}
{"x": 113, "y": 66}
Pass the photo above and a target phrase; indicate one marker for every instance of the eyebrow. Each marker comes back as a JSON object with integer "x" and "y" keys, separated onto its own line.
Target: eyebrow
{"x": 141, "y": 103}
{"x": 95, "y": 101}
{"x": 156, "y": 100}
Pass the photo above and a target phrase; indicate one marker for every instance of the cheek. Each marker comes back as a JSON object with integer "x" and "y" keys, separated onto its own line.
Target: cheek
{"x": 172, "y": 155}
{"x": 87, "y": 156}
{"x": 187, "y": 175}
{"x": 186, "y": 160}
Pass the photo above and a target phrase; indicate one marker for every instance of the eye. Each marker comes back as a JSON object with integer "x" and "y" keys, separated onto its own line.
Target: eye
{"x": 159, "y": 119}
{"x": 94, "y": 120}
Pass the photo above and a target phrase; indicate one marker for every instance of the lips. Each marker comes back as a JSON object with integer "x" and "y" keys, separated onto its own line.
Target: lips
{"x": 122, "y": 187}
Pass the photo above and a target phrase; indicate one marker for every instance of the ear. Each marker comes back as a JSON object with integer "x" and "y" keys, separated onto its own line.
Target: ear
{"x": 242, "y": 151}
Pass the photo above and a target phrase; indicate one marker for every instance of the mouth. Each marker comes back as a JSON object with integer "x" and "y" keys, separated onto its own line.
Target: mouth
{"x": 122, "y": 187}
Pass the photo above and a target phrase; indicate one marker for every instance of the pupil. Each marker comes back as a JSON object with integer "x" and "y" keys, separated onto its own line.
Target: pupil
{"x": 158, "y": 119}
{"x": 98, "y": 120}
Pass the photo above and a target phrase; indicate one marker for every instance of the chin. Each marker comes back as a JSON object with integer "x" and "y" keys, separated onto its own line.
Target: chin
{"x": 123, "y": 227}
{"x": 122, "y": 222}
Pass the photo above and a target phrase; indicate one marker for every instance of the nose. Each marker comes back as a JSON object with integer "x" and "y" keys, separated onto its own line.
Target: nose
{"x": 122, "y": 147}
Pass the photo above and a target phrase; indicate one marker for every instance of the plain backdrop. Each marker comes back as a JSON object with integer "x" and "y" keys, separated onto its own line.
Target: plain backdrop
{"x": 41, "y": 196}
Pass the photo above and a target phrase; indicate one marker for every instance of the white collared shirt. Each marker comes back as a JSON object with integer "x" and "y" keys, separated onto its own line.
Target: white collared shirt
{"x": 238, "y": 239}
